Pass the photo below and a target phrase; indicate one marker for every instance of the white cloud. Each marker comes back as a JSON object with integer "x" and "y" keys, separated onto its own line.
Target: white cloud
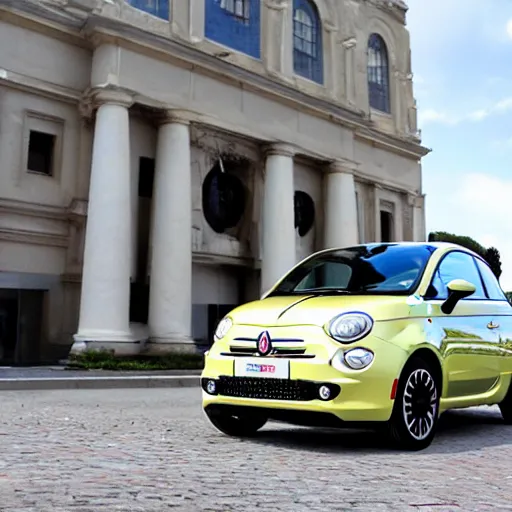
{"x": 435, "y": 116}
{"x": 509, "y": 28}
{"x": 477, "y": 206}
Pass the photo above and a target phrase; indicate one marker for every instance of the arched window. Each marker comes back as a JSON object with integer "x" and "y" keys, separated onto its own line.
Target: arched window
{"x": 378, "y": 74}
{"x": 307, "y": 41}
{"x": 158, "y": 8}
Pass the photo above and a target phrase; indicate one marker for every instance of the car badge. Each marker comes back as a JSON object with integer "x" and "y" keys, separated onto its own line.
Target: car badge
{"x": 264, "y": 344}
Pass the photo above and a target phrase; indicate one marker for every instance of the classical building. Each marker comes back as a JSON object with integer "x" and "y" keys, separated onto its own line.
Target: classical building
{"x": 166, "y": 160}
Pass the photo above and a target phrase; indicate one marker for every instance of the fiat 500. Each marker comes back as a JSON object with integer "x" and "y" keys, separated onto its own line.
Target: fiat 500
{"x": 376, "y": 335}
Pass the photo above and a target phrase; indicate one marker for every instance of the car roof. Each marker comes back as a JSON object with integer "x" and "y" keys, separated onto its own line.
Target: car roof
{"x": 432, "y": 245}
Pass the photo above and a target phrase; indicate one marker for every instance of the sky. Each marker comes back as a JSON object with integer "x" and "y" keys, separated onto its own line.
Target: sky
{"x": 462, "y": 65}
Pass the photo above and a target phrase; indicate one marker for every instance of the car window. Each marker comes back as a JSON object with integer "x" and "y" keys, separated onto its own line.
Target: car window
{"x": 327, "y": 275}
{"x": 491, "y": 283}
{"x": 456, "y": 265}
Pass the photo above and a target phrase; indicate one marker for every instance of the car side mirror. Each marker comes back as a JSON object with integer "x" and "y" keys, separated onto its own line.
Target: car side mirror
{"x": 458, "y": 289}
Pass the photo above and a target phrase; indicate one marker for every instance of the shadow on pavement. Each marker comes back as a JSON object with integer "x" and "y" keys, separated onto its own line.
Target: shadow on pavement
{"x": 458, "y": 432}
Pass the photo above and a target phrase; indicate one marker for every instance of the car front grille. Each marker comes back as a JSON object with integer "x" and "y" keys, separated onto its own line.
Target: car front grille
{"x": 271, "y": 389}
{"x": 249, "y": 348}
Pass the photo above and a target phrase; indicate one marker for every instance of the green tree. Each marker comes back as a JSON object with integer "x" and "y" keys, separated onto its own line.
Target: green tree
{"x": 492, "y": 256}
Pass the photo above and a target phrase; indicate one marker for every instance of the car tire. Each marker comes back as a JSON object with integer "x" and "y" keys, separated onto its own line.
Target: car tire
{"x": 413, "y": 422}
{"x": 236, "y": 424}
{"x": 506, "y": 406}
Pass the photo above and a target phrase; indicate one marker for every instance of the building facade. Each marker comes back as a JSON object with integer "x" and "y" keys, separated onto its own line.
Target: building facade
{"x": 164, "y": 161}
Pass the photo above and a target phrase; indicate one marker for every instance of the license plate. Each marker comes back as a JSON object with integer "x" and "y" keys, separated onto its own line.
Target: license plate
{"x": 263, "y": 368}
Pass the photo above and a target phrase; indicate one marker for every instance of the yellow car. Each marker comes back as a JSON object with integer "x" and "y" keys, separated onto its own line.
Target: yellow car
{"x": 373, "y": 335}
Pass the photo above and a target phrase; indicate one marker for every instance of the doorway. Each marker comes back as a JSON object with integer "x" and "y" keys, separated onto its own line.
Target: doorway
{"x": 386, "y": 226}
{"x": 21, "y": 314}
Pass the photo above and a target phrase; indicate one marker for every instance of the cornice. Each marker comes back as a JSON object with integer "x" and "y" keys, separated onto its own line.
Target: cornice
{"x": 33, "y": 238}
{"x": 32, "y": 209}
{"x": 396, "y": 8}
{"x": 28, "y": 84}
{"x": 397, "y": 145}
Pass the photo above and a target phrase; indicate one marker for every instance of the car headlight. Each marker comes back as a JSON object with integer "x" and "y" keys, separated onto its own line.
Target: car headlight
{"x": 355, "y": 359}
{"x": 223, "y": 327}
{"x": 349, "y": 327}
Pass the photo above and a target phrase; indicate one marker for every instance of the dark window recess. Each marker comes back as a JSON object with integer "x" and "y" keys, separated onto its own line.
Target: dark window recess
{"x": 304, "y": 207}
{"x": 223, "y": 198}
{"x": 378, "y": 74}
{"x": 139, "y": 303}
{"x": 386, "y": 226}
{"x": 146, "y": 176}
{"x": 40, "y": 152}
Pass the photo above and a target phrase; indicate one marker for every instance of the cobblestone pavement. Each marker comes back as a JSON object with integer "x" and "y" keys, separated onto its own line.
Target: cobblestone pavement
{"x": 151, "y": 450}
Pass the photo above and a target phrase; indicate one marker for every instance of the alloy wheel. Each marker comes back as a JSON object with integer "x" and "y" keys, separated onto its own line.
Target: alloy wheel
{"x": 420, "y": 404}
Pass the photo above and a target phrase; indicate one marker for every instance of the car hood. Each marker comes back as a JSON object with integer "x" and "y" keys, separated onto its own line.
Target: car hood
{"x": 315, "y": 310}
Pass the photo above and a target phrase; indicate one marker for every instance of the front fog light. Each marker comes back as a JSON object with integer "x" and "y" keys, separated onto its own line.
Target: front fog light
{"x": 211, "y": 387}
{"x": 358, "y": 358}
{"x": 324, "y": 392}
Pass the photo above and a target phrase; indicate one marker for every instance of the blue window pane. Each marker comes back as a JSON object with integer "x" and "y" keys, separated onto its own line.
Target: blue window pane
{"x": 235, "y": 24}
{"x": 378, "y": 74}
{"x": 158, "y": 8}
{"x": 307, "y": 41}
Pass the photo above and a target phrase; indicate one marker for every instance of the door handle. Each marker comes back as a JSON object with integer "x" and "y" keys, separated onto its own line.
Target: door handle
{"x": 490, "y": 325}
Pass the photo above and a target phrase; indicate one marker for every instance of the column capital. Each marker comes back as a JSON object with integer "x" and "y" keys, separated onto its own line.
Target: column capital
{"x": 175, "y": 116}
{"x": 279, "y": 148}
{"x": 341, "y": 166}
{"x": 112, "y": 97}
{"x": 415, "y": 200}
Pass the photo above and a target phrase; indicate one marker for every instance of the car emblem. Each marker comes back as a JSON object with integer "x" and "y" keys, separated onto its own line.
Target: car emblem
{"x": 264, "y": 344}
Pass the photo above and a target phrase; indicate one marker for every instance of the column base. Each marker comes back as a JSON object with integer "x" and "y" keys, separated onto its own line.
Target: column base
{"x": 119, "y": 343}
{"x": 166, "y": 346}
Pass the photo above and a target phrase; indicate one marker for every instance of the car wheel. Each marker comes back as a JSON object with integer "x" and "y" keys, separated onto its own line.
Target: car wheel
{"x": 244, "y": 424}
{"x": 506, "y": 406}
{"x": 416, "y": 410}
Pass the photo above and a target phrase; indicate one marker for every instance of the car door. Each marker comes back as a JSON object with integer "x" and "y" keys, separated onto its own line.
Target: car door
{"x": 469, "y": 341}
{"x": 502, "y": 316}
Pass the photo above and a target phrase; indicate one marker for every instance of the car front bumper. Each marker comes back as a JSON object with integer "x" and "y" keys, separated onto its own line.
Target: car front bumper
{"x": 354, "y": 395}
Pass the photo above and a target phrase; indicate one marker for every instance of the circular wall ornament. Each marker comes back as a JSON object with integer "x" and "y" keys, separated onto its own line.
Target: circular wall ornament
{"x": 223, "y": 198}
{"x": 304, "y": 212}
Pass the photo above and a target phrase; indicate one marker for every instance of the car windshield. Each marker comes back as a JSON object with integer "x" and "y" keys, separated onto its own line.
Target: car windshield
{"x": 393, "y": 269}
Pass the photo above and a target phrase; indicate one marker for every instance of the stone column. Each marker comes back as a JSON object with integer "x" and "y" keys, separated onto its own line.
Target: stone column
{"x": 340, "y": 224}
{"x": 105, "y": 294}
{"x": 278, "y": 219}
{"x": 170, "y": 296}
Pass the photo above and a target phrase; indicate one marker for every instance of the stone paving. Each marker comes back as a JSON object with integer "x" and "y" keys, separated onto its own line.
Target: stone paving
{"x": 50, "y": 372}
{"x": 151, "y": 450}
